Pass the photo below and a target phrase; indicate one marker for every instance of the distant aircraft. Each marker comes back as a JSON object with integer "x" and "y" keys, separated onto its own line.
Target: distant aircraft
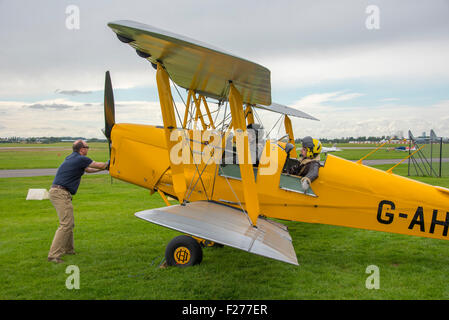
{"x": 435, "y": 138}
{"x": 327, "y": 149}
{"x": 331, "y": 149}
{"x": 404, "y": 148}
{"x": 423, "y": 138}
{"x": 427, "y": 139}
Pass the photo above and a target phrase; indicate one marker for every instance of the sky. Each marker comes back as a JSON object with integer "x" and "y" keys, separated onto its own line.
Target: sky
{"x": 363, "y": 68}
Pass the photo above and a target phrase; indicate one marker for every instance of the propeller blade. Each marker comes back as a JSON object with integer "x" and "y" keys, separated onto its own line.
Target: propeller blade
{"x": 109, "y": 108}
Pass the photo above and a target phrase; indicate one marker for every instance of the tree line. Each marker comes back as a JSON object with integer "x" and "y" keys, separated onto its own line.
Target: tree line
{"x": 45, "y": 140}
{"x": 349, "y": 139}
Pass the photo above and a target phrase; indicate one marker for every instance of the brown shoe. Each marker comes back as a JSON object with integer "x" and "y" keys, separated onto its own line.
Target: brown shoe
{"x": 163, "y": 265}
{"x": 70, "y": 252}
{"x": 55, "y": 260}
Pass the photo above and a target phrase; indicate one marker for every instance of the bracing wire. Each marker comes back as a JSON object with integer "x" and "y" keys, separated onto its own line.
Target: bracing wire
{"x": 191, "y": 151}
{"x": 266, "y": 136}
{"x": 225, "y": 118}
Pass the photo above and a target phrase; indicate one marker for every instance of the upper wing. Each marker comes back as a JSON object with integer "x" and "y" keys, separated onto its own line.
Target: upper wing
{"x": 279, "y": 108}
{"x": 195, "y": 65}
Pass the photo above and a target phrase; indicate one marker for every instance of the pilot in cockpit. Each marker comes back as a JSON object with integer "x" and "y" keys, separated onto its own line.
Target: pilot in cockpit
{"x": 256, "y": 141}
{"x": 309, "y": 162}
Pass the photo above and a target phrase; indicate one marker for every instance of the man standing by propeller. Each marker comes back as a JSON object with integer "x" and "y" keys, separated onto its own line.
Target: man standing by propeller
{"x": 65, "y": 185}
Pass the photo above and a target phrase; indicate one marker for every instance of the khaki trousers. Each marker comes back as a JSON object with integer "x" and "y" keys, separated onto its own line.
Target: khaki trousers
{"x": 63, "y": 239}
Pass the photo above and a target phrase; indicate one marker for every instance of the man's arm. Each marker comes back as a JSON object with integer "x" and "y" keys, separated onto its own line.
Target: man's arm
{"x": 311, "y": 175}
{"x": 95, "y": 166}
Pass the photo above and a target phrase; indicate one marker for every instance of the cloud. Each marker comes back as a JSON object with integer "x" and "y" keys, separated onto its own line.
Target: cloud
{"x": 348, "y": 96}
{"x": 302, "y": 42}
{"x": 72, "y": 92}
{"x": 390, "y": 99}
{"x": 316, "y": 100}
{"x": 335, "y": 121}
{"x": 54, "y": 106}
{"x": 44, "y": 118}
{"x": 399, "y": 62}
{"x": 362, "y": 120}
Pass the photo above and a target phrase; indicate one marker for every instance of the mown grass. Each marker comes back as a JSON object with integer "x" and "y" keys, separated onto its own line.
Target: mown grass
{"x": 118, "y": 255}
{"x": 386, "y": 153}
{"x": 36, "y": 156}
{"x": 356, "y": 154}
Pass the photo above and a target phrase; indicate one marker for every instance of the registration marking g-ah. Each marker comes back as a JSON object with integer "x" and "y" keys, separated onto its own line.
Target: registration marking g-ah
{"x": 387, "y": 214}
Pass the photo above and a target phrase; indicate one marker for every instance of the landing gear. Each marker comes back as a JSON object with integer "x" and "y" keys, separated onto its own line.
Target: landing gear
{"x": 183, "y": 251}
{"x": 207, "y": 243}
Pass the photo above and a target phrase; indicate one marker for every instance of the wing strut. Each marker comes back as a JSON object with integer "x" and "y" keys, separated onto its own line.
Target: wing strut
{"x": 249, "y": 114}
{"x": 291, "y": 138}
{"x": 168, "y": 116}
{"x": 245, "y": 163}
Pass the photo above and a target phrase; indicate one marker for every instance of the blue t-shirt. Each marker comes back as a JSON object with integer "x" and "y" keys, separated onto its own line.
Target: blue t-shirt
{"x": 70, "y": 171}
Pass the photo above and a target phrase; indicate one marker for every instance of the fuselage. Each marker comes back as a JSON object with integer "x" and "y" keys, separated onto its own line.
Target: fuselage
{"x": 345, "y": 193}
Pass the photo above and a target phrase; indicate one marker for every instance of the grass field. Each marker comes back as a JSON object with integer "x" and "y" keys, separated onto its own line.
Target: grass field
{"x": 118, "y": 255}
{"x": 33, "y": 156}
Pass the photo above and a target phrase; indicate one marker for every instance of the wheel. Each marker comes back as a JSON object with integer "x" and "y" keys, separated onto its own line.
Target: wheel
{"x": 183, "y": 251}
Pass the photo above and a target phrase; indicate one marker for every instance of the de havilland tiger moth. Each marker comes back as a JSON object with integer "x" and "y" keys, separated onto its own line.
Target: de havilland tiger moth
{"x": 230, "y": 179}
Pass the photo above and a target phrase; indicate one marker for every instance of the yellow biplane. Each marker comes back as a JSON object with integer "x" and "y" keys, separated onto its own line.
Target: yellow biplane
{"x": 228, "y": 177}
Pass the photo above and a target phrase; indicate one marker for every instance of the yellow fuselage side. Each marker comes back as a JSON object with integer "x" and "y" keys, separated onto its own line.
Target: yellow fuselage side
{"x": 348, "y": 194}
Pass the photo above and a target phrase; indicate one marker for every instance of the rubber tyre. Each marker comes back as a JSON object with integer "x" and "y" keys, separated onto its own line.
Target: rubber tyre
{"x": 183, "y": 251}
